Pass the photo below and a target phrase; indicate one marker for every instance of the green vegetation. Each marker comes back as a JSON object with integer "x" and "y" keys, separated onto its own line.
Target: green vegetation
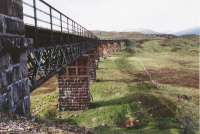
{"x": 166, "y": 102}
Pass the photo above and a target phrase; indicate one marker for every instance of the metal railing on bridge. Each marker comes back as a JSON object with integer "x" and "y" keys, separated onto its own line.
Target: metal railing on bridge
{"x": 40, "y": 14}
{"x": 58, "y": 40}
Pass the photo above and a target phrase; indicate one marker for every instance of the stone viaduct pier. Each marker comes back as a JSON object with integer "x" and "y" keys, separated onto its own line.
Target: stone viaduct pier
{"x": 34, "y": 48}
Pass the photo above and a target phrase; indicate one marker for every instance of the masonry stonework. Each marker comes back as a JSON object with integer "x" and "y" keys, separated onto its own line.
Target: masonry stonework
{"x": 14, "y": 83}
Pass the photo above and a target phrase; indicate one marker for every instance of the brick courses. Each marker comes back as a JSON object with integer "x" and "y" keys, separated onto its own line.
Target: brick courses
{"x": 74, "y": 86}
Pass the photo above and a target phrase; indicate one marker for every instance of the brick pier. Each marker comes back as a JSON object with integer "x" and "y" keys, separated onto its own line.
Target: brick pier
{"x": 74, "y": 82}
{"x": 74, "y": 86}
{"x": 107, "y": 49}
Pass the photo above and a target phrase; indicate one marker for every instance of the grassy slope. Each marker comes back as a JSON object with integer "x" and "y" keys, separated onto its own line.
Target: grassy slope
{"x": 119, "y": 94}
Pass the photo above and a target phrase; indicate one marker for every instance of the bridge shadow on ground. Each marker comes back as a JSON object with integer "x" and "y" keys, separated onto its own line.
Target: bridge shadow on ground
{"x": 156, "y": 106}
{"x": 144, "y": 105}
{"x": 148, "y": 108}
{"x": 111, "y": 130}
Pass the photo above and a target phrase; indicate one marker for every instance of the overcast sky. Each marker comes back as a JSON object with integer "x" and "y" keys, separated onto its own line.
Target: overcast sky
{"x": 120, "y": 15}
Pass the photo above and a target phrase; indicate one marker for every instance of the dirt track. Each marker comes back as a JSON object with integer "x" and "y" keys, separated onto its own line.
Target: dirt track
{"x": 184, "y": 78}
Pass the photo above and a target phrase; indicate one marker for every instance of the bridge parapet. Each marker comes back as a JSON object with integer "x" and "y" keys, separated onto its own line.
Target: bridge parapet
{"x": 54, "y": 28}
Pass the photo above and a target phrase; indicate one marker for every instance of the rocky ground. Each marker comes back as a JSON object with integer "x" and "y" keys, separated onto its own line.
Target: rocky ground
{"x": 10, "y": 123}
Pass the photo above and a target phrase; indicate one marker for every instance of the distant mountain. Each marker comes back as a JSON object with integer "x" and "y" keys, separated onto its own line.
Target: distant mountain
{"x": 194, "y": 31}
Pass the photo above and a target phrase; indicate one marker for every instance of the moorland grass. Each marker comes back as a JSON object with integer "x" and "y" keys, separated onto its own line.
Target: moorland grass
{"x": 118, "y": 95}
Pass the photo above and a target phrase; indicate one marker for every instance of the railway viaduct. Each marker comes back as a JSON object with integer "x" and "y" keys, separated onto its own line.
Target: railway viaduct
{"x": 33, "y": 51}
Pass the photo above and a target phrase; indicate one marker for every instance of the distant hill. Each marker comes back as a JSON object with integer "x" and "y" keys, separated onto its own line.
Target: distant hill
{"x": 129, "y": 35}
{"x": 191, "y": 31}
{"x": 143, "y": 31}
